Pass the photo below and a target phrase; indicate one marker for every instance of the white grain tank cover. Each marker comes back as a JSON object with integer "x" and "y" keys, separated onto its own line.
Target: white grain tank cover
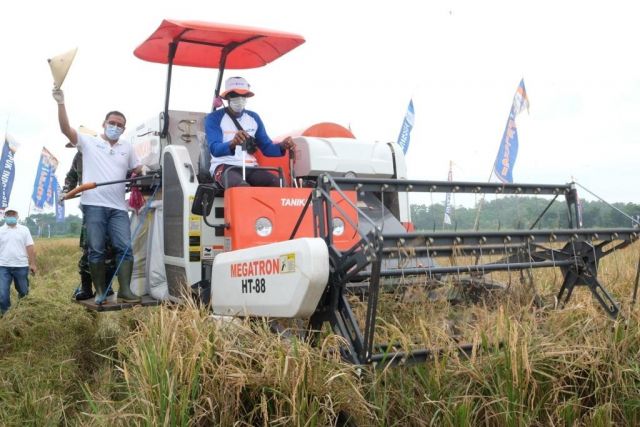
{"x": 339, "y": 156}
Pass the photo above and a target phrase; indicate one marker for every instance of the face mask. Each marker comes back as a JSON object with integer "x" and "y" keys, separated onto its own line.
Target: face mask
{"x": 11, "y": 220}
{"x": 113, "y": 132}
{"x": 237, "y": 104}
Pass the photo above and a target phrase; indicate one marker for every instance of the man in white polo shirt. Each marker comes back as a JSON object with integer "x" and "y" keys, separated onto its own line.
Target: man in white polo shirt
{"x": 105, "y": 158}
{"x": 17, "y": 258}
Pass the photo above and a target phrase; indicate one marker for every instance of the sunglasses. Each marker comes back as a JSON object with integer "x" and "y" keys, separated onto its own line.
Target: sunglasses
{"x": 112, "y": 123}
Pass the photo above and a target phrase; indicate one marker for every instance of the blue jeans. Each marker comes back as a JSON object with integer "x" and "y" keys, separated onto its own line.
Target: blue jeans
{"x": 20, "y": 277}
{"x": 102, "y": 222}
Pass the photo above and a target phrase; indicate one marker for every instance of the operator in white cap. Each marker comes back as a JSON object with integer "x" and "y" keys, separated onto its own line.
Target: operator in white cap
{"x": 234, "y": 126}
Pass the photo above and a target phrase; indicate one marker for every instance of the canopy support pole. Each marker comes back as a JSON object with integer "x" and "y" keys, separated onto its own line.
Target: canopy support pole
{"x": 173, "y": 46}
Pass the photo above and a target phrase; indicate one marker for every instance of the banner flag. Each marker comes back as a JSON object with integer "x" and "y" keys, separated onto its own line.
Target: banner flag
{"x": 407, "y": 125}
{"x": 60, "y": 212}
{"x": 56, "y": 198}
{"x": 7, "y": 166}
{"x": 506, "y": 158}
{"x": 447, "y": 200}
{"x": 52, "y": 189}
{"x": 42, "y": 191}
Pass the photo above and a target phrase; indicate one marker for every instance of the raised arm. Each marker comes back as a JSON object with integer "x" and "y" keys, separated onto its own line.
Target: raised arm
{"x": 63, "y": 120}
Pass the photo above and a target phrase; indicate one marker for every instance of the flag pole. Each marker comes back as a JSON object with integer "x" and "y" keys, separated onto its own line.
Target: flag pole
{"x": 6, "y": 132}
{"x": 476, "y": 223}
{"x": 447, "y": 200}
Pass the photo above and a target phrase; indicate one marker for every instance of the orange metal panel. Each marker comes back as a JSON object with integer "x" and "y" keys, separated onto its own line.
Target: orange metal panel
{"x": 276, "y": 162}
{"x": 282, "y": 206}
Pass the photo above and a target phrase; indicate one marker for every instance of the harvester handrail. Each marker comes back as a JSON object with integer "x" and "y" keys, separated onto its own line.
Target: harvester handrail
{"x": 278, "y": 169}
{"x": 325, "y": 184}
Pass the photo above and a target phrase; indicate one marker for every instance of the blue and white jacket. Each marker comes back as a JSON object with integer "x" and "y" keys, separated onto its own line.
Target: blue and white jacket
{"x": 220, "y": 130}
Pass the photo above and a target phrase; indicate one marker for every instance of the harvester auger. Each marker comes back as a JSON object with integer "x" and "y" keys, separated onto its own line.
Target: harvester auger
{"x": 368, "y": 260}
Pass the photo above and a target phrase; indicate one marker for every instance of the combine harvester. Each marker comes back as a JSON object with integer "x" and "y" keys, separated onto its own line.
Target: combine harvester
{"x": 338, "y": 226}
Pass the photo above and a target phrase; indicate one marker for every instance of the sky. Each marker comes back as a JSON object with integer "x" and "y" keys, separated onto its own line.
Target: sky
{"x": 460, "y": 61}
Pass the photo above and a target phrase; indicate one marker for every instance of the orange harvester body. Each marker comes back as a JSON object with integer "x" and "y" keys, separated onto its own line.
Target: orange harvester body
{"x": 282, "y": 207}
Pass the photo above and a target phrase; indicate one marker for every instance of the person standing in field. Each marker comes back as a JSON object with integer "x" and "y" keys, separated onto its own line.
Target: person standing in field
{"x": 85, "y": 291}
{"x": 17, "y": 259}
{"x": 105, "y": 158}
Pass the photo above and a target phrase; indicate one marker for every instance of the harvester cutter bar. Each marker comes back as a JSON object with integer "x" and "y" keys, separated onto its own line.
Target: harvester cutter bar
{"x": 391, "y": 355}
{"x": 479, "y": 238}
{"x": 474, "y": 243}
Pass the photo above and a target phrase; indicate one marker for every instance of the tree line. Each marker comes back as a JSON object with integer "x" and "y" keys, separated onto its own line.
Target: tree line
{"x": 520, "y": 213}
{"x": 507, "y": 213}
{"x": 44, "y": 225}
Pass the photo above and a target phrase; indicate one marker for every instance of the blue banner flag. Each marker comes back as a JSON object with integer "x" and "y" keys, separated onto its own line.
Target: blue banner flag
{"x": 506, "y": 158}
{"x": 8, "y": 172}
{"x": 42, "y": 191}
{"x": 407, "y": 125}
{"x": 52, "y": 189}
{"x": 59, "y": 212}
{"x": 56, "y": 200}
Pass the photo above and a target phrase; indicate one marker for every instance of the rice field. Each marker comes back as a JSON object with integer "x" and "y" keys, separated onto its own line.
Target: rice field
{"x": 534, "y": 365}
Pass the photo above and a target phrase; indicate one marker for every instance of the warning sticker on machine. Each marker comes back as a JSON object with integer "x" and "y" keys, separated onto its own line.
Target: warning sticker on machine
{"x": 288, "y": 263}
{"x": 210, "y": 252}
{"x": 207, "y": 252}
{"x": 194, "y": 224}
{"x": 194, "y": 220}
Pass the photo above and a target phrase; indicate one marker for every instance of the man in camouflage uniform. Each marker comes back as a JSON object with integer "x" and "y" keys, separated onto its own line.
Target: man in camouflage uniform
{"x": 85, "y": 291}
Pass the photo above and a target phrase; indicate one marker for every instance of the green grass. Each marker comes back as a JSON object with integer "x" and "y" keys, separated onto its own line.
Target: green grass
{"x": 177, "y": 366}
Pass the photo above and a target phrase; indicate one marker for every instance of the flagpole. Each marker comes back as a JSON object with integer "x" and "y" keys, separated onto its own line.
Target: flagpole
{"x": 447, "y": 200}
{"x": 476, "y": 223}
{"x": 6, "y": 132}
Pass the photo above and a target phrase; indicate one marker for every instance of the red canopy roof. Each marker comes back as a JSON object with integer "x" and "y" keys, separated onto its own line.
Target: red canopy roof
{"x": 200, "y": 44}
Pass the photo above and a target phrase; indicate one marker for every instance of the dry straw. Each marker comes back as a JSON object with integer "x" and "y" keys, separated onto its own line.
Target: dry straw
{"x": 532, "y": 364}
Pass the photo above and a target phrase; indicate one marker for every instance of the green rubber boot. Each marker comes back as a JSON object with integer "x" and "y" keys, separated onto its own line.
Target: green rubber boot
{"x": 84, "y": 291}
{"x": 97, "y": 276}
{"x": 124, "y": 279}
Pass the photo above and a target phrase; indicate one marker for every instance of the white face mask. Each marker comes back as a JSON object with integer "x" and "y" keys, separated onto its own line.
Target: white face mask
{"x": 237, "y": 104}
{"x": 113, "y": 132}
